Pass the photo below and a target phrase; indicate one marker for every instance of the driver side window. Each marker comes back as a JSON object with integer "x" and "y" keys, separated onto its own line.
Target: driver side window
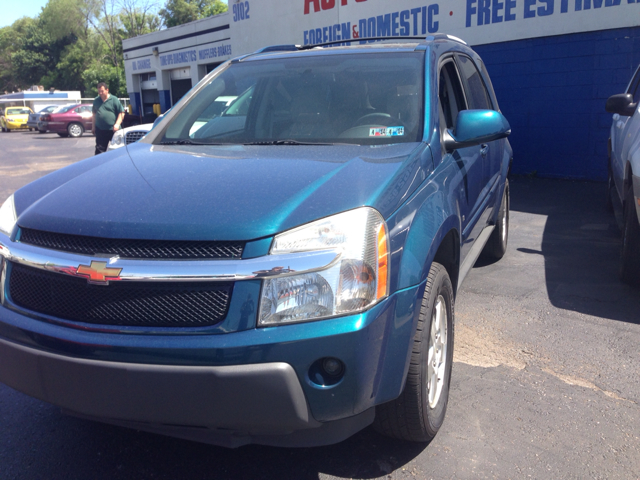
{"x": 451, "y": 96}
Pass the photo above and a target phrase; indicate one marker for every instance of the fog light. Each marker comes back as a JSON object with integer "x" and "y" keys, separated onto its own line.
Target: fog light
{"x": 326, "y": 372}
{"x": 332, "y": 366}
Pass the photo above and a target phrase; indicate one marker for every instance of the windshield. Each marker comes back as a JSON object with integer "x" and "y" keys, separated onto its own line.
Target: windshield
{"x": 18, "y": 111}
{"x": 370, "y": 98}
{"x": 64, "y": 108}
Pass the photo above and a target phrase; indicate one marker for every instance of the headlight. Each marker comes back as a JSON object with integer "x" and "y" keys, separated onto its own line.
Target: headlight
{"x": 7, "y": 216}
{"x": 357, "y": 281}
{"x": 118, "y": 139}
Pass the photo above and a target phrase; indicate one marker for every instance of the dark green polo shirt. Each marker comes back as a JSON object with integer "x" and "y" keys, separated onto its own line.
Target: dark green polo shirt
{"x": 106, "y": 112}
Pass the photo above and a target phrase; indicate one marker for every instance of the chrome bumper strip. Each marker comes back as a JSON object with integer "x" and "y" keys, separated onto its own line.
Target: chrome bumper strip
{"x": 268, "y": 266}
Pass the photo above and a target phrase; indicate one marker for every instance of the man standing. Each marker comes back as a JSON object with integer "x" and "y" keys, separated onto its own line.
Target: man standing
{"x": 107, "y": 117}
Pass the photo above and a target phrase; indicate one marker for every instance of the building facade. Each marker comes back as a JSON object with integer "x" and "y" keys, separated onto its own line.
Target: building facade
{"x": 553, "y": 62}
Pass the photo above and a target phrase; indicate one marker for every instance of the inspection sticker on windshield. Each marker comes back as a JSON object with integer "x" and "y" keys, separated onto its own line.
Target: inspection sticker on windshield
{"x": 386, "y": 132}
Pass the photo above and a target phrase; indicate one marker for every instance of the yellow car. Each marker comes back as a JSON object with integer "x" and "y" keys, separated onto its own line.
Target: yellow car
{"x": 14, "y": 118}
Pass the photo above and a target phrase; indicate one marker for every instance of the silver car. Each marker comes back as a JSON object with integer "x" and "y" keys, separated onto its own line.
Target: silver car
{"x": 624, "y": 175}
{"x": 34, "y": 118}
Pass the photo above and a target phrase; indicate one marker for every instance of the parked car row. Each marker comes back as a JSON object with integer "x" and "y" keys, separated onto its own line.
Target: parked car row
{"x": 71, "y": 120}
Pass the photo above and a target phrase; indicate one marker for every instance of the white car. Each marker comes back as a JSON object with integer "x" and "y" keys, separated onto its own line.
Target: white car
{"x": 624, "y": 175}
{"x": 129, "y": 135}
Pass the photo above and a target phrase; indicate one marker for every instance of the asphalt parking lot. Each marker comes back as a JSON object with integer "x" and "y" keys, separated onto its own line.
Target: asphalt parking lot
{"x": 545, "y": 380}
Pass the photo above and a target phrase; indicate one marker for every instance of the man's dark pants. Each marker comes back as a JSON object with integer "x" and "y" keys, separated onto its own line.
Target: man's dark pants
{"x": 103, "y": 137}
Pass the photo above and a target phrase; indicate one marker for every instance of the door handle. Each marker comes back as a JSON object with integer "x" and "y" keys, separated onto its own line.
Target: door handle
{"x": 484, "y": 148}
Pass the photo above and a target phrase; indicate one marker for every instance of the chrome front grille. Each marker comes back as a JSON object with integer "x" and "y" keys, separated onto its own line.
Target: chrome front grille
{"x": 134, "y": 136}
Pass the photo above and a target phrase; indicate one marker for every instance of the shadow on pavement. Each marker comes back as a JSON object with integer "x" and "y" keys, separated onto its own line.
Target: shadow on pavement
{"x": 580, "y": 246}
{"x": 67, "y": 447}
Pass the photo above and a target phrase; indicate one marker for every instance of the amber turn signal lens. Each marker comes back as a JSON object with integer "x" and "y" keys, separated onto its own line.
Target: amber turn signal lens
{"x": 383, "y": 262}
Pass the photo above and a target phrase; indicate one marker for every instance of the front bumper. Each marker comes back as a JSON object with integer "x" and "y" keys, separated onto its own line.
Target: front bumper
{"x": 232, "y": 405}
{"x": 229, "y": 384}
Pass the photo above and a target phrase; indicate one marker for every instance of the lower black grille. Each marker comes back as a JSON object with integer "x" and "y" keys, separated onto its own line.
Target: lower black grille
{"x": 180, "y": 304}
{"x": 161, "y": 249}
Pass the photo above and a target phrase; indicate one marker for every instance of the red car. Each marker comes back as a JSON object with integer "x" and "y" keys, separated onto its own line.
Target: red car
{"x": 70, "y": 121}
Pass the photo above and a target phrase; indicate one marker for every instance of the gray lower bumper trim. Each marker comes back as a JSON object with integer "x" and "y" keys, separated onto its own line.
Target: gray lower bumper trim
{"x": 326, "y": 434}
{"x": 257, "y": 399}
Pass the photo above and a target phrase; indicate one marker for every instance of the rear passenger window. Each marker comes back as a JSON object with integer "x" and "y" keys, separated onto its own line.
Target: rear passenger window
{"x": 477, "y": 94}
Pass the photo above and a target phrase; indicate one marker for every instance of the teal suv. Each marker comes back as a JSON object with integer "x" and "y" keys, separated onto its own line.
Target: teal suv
{"x": 281, "y": 270}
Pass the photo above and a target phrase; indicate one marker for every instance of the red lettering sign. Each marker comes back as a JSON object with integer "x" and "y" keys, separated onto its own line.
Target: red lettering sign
{"x": 323, "y": 5}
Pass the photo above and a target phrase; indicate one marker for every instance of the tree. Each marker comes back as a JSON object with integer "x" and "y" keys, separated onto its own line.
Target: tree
{"x": 62, "y": 18}
{"x": 178, "y": 12}
{"x": 112, "y": 76}
{"x": 11, "y": 39}
{"x": 138, "y": 18}
{"x": 37, "y": 54}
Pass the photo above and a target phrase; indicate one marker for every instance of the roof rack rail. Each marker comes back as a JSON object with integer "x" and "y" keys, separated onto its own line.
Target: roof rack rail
{"x": 294, "y": 48}
{"x": 444, "y": 36}
{"x": 359, "y": 39}
{"x": 278, "y": 48}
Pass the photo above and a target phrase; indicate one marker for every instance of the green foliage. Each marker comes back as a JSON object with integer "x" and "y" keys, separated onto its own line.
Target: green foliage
{"x": 216, "y": 8}
{"x": 112, "y": 76}
{"x": 67, "y": 75}
{"x": 37, "y": 54}
{"x": 178, "y": 12}
{"x": 63, "y": 18}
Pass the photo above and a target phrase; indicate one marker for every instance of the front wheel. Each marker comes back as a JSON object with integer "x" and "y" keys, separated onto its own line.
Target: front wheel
{"x": 75, "y": 130}
{"x": 630, "y": 256}
{"x": 417, "y": 414}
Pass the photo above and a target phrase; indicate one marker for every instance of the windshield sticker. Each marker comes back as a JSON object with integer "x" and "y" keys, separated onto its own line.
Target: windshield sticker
{"x": 386, "y": 132}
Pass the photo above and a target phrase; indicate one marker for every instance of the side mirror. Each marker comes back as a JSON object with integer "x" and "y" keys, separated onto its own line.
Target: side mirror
{"x": 622, "y": 104}
{"x": 474, "y": 127}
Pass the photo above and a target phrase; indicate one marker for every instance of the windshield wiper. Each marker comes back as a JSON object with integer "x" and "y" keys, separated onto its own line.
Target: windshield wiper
{"x": 292, "y": 142}
{"x": 184, "y": 141}
{"x": 187, "y": 141}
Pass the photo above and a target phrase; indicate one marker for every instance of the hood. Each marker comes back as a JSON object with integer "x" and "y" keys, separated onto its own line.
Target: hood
{"x": 219, "y": 192}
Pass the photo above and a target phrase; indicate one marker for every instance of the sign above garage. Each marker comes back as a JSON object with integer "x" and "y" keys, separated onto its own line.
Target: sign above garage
{"x": 475, "y": 21}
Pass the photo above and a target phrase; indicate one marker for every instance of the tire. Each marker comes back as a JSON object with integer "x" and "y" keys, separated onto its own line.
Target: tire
{"x": 417, "y": 414}
{"x": 630, "y": 255}
{"x": 42, "y": 131}
{"x": 64, "y": 135}
{"x": 496, "y": 246}
{"x": 75, "y": 130}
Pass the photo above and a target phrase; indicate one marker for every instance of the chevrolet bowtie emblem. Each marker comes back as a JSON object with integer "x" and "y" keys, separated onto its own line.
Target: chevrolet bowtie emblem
{"x": 98, "y": 273}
